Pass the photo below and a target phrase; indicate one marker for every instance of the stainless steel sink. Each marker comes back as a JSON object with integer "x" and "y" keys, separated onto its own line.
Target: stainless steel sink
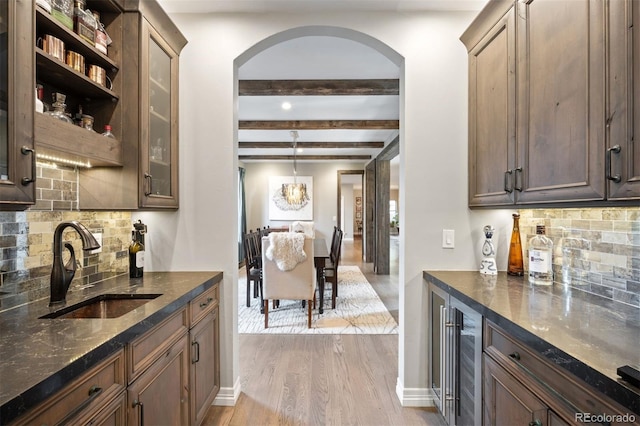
{"x": 103, "y": 306}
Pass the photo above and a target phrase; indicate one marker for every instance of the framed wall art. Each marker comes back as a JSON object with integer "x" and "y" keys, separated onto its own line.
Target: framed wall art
{"x": 290, "y": 199}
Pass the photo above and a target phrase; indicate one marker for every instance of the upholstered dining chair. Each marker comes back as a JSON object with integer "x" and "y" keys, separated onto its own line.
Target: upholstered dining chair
{"x": 295, "y": 284}
{"x": 330, "y": 271}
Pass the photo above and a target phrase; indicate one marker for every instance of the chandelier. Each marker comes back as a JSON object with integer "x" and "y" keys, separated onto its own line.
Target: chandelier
{"x": 295, "y": 194}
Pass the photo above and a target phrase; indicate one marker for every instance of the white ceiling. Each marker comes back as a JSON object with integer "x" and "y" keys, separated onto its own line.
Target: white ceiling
{"x": 205, "y": 6}
{"x": 318, "y": 58}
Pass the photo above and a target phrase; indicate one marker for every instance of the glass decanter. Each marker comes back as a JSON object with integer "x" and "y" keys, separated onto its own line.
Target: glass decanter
{"x": 59, "y": 108}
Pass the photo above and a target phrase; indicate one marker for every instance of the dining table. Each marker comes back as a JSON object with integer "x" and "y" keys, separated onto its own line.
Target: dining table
{"x": 320, "y": 256}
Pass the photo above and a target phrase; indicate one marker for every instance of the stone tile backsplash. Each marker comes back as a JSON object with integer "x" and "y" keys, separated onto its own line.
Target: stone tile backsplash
{"x": 26, "y": 240}
{"x": 595, "y": 250}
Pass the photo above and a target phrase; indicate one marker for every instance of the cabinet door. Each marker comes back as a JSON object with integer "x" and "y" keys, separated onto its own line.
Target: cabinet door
{"x": 492, "y": 121}
{"x": 159, "y": 121}
{"x": 507, "y": 402}
{"x": 623, "y": 115}
{"x": 17, "y": 94}
{"x": 560, "y": 71}
{"x": 160, "y": 395}
{"x": 205, "y": 366}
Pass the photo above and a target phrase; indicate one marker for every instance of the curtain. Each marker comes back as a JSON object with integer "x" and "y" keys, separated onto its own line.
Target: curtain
{"x": 242, "y": 214}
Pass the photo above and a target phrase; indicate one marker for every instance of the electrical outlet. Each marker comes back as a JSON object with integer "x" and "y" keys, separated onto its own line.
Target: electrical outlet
{"x": 98, "y": 237}
{"x": 448, "y": 238}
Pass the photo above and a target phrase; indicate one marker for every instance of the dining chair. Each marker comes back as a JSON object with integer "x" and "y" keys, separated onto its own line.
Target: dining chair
{"x": 298, "y": 283}
{"x": 253, "y": 266}
{"x": 330, "y": 271}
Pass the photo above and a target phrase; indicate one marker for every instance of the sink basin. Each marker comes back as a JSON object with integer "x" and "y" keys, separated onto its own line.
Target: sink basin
{"x": 103, "y": 306}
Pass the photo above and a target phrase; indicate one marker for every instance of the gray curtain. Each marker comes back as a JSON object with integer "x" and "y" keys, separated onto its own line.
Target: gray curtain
{"x": 242, "y": 213}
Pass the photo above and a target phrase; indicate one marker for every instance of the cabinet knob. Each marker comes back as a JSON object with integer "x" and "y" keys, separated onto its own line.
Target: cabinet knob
{"x": 536, "y": 422}
{"x": 515, "y": 355}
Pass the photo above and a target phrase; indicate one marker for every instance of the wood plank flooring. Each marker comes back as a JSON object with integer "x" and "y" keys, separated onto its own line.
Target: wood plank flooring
{"x": 324, "y": 379}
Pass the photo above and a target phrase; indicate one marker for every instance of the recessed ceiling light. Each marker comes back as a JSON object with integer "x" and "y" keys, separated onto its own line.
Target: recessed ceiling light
{"x": 286, "y": 106}
{"x": 299, "y": 150}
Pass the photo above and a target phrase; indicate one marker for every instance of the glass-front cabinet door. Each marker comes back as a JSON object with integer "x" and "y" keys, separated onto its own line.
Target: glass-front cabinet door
{"x": 17, "y": 103}
{"x": 159, "y": 130}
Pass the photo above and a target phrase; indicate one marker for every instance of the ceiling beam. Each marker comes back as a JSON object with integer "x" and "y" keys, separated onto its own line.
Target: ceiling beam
{"x": 318, "y": 124}
{"x": 304, "y": 157}
{"x": 319, "y": 87}
{"x": 311, "y": 145}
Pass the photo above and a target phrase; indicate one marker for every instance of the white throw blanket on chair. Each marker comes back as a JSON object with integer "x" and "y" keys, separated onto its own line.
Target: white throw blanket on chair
{"x": 286, "y": 249}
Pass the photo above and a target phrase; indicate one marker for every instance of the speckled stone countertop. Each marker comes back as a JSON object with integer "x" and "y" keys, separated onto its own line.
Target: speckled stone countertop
{"x": 587, "y": 335}
{"x": 40, "y": 356}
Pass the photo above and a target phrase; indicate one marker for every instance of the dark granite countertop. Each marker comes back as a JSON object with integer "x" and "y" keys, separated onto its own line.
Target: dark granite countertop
{"x": 586, "y": 335}
{"x": 40, "y": 356}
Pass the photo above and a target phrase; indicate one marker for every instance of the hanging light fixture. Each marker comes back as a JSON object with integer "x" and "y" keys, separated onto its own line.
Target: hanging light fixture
{"x": 295, "y": 194}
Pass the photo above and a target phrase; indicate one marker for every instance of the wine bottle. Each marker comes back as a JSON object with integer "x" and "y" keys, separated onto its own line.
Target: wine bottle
{"x": 136, "y": 257}
{"x": 516, "y": 266}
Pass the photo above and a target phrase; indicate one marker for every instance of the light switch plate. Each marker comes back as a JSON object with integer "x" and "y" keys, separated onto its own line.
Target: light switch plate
{"x": 448, "y": 238}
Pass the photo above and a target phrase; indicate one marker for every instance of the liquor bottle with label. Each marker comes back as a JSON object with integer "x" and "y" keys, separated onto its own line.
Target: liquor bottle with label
{"x": 515, "y": 266}
{"x": 541, "y": 258}
{"x": 136, "y": 257}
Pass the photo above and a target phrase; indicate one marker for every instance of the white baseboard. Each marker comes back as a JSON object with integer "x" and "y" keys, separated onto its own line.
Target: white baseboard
{"x": 227, "y": 397}
{"x": 414, "y": 397}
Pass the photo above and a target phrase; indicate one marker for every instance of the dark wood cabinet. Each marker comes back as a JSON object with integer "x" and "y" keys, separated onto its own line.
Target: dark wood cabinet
{"x": 148, "y": 178}
{"x": 507, "y": 401}
{"x": 17, "y": 94}
{"x": 492, "y": 115}
{"x": 161, "y": 394}
{"x": 522, "y": 387}
{"x": 623, "y": 104}
{"x": 205, "y": 352}
{"x": 68, "y": 142}
{"x": 560, "y": 73}
{"x": 551, "y": 103}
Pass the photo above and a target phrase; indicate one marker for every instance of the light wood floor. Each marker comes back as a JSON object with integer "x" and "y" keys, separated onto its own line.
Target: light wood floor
{"x": 324, "y": 379}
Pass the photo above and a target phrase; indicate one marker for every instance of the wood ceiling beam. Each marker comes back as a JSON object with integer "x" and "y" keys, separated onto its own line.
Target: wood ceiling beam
{"x": 311, "y": 145}
{"x": 319, "y": 124}
{"x": 319, "y": 87}
{"x": 304, "y": 157}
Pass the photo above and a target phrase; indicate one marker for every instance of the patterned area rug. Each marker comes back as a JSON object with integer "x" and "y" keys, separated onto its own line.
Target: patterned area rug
{"x": 359, "y": 310}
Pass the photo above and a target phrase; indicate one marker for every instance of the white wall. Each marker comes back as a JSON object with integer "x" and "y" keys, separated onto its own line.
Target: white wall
{"x": 433, "y": 158}
{"x": 348, "y": 211}
{"x": 325, "y": 192}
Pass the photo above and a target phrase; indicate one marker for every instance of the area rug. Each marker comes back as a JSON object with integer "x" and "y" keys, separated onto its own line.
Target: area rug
{"x": 358, "y": 310}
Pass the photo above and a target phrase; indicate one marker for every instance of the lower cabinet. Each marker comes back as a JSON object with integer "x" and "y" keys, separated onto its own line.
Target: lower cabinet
{"x": 205, "y": 366}
{"x": 160, "y": 396}
{"x": 508, "y": 402}
{"x": 523, "y": 388}
{"x": 169, "y": 375}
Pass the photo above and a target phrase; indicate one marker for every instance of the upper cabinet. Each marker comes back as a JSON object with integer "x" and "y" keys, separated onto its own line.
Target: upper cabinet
{"x": 17, "y": 94}
{"x": 159, "y": 129}
{"x": 149, "y": 176}
{"x": 550, "y": 105}
{"x": 78, "y": 80}
{"x": 492, "y": 114}
{"x": 623, "y": 115}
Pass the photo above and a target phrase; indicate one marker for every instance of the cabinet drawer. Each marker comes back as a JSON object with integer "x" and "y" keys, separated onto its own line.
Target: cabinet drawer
{"x": 145, "y": 349}
{"x": 84, "y": 397}
{"x": 204, "y": 303}
{"x": 563, "y": 392}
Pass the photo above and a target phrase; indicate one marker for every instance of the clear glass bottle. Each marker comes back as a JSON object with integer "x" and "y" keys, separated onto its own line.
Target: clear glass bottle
{"x": 516, "y": 264}
{"x": 107, "y": 132}
{"x": 59, "y": 108}
{"x": 541, "y": 258}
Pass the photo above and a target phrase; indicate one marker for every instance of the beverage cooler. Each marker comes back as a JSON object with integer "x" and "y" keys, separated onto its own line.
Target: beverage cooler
{"x": 455, "y": 359}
